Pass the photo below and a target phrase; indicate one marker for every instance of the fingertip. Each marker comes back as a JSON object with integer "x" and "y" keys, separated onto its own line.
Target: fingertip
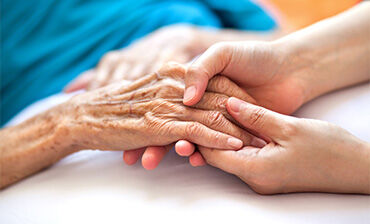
{"x": 184, "y": 148}
{"x": 235, "y": 143}
{"x": 233, "y": 105}
{"x": 130, "y": 157}
{"x": 152, "y": 157}
{"x": 196, "y": 81}
{"x": 190, "y": 95}
{"x": 72, "y": 87}
{"x": 197, "y": 160}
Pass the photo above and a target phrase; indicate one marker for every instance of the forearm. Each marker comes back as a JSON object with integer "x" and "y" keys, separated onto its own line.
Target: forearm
{"x": 349, "y": 169}
{"x": 331, "y": 54}
{"x": 33, "y": 145}
{"x": 364, "y": 166}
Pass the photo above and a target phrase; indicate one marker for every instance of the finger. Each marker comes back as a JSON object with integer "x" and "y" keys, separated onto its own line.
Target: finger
{"x": 132, "y": 156}
{"x": 221, "y": 84}
{"x": 210, "y": 63}
{"x": 137, "y": 84}
{"x": 218, "y": 122}
{"x": 259, "y": 119}
{"x": 103, "y": 72}
{"x": 197, "y": 160}
{"x": 120, "y": 72}
{"x": 202, "y": 135}
{"x": 226, "y": 160}
{"x": 153, "y": 155}
{"x": 184, "y": 148}
{"x": 157, "y": 61}
{"x": 195, "y": 132}
{"x": 137, "y": 71}
{"x": 214, "y": 101}
{"x": 152, "y": 62}
{"x": 173, "y": 70}
{"x": 81, "y": 82}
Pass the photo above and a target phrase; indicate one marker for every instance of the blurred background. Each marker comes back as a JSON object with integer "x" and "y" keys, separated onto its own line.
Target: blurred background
{"x": 47, "y": 43}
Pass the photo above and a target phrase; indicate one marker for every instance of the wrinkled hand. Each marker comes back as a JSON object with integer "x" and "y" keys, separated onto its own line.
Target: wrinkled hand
{"x": 302, "y": 154}
{"x": 173, "y": 43}
{"x": 149, "y": 111}
{"x": 267, "y": 71}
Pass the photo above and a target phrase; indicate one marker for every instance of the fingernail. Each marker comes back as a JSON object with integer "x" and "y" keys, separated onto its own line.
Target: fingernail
{"x": 235, "y": 104}
{"x": 235, "y": 143}
{"x": 189, "y": 93}
{"x": 257, "y": 142}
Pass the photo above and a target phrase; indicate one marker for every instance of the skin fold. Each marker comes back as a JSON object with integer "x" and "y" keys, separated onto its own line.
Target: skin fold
{"x": 123, "y": 116}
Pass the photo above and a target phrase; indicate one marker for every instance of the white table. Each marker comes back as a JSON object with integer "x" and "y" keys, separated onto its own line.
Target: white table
{"x": 97, "y": 187}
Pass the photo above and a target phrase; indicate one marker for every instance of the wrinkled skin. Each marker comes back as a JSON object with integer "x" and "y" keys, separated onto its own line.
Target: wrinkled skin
{"x": 269, "y": 80}
{"x": 178, "y": 43}
{"x": 149, "y": 111}
{"x": 122, "y": 116}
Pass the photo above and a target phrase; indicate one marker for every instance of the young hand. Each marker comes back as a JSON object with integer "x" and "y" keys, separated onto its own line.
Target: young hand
{"x": 301, "y": 155}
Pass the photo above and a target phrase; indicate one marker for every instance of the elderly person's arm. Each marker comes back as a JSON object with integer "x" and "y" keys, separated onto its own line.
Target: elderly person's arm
{"x": 121, "y": 117}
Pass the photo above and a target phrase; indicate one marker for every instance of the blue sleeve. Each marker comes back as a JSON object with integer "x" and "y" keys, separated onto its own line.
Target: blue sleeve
{"x": 47, "y": 43}
{"x": 241, "y": 14}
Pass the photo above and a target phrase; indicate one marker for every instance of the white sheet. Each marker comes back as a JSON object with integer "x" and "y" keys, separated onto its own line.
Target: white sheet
{"x": 96, "y": 187}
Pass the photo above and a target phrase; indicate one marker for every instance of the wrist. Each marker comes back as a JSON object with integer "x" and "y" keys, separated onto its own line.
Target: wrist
{"x": 364, "y": 158}
{"x": 301, "y": 64}
{"x": 66, "y": 131}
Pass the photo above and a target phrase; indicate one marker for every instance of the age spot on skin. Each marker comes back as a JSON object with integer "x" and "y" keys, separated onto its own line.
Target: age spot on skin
{"x": 130, "y": 106}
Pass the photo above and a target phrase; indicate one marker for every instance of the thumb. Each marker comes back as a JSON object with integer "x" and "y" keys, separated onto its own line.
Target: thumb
{"x": 259, "y": 119}
{"x": 227, "y": 160}
{"x": 210, "y": 63}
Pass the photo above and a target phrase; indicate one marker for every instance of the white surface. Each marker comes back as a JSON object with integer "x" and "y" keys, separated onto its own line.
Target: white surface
{"x": 96, "y": 187}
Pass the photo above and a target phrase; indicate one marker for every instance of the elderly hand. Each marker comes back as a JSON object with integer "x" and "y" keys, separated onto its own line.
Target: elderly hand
{"x": 178, "y": 43}
{"x": 264, "y": 70}
{"x": 122, "y": 116}
{"x": 149, "y": 111}
{"x": 302, "y": 154}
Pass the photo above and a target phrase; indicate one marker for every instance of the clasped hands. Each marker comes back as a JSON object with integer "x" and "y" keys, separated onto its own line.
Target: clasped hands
{"x": 240, "y": 128}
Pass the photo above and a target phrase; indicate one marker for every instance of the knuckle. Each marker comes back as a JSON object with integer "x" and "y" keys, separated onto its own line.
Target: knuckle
{"x": 172, "y": 69}
{"x": 192, "y": 129}
{"x": 215, "y": 118}
{"x": 218, "y": 83}
{"x": 110, "y": 56}
{"x": 256, "y": 117}
{"x": 220, "y": 101}
{"x": 220, "y": 47}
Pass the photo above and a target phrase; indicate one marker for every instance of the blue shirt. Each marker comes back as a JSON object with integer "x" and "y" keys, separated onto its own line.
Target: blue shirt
{"x": 47, "y": 43}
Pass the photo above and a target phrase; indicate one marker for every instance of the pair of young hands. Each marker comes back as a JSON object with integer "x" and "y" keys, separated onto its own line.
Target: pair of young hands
{"x": 298, "y": 154}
